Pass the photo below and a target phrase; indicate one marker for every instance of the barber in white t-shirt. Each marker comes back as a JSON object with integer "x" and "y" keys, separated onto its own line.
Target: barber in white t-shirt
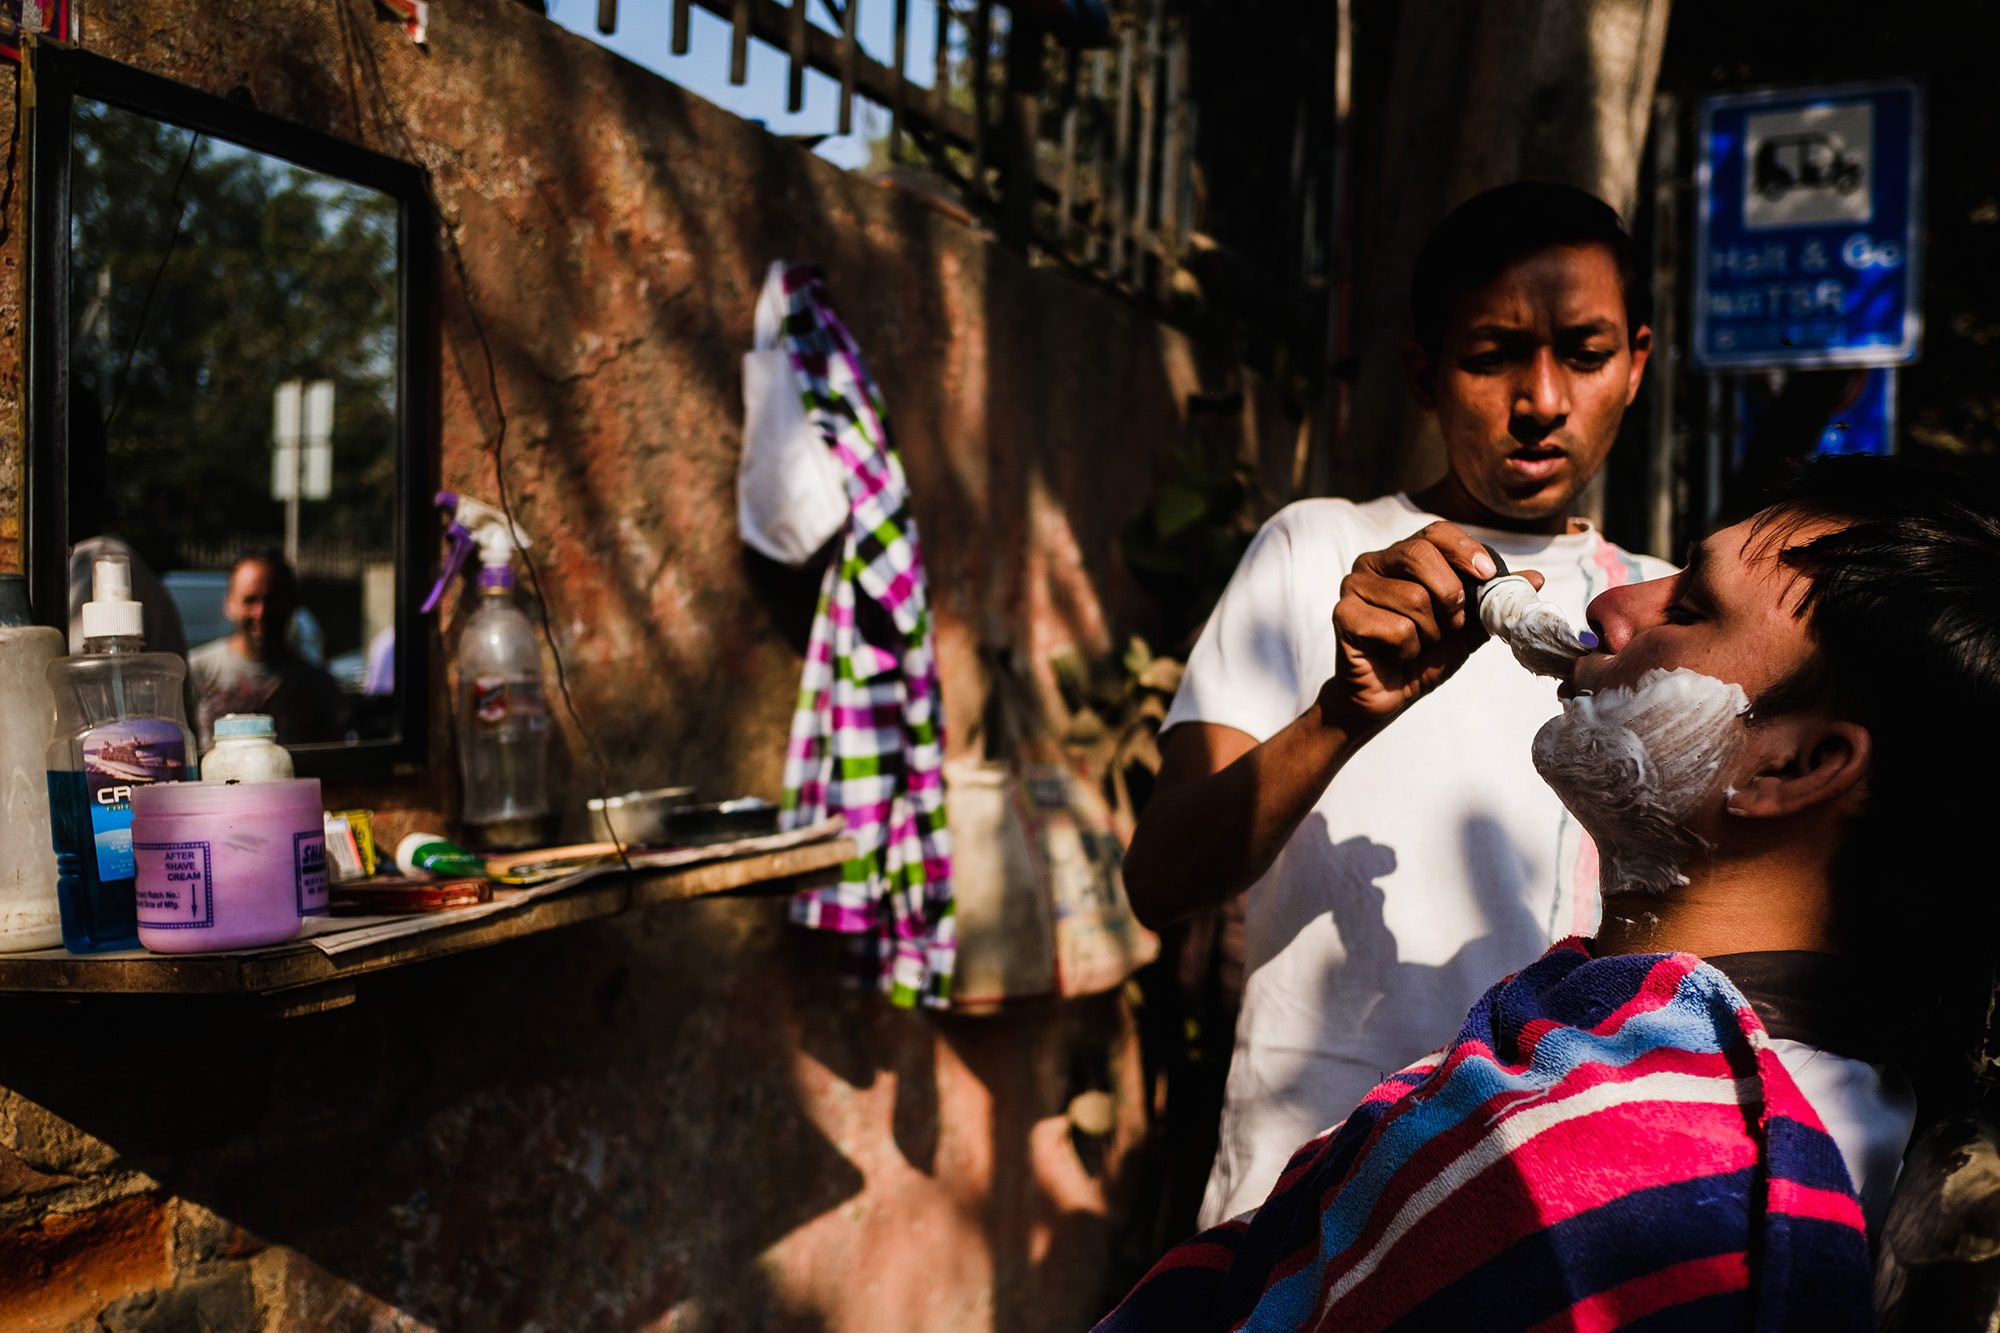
{"x": 1391, "y": 884}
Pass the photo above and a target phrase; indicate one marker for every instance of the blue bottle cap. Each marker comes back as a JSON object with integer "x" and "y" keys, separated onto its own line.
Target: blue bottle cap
{"x": 235, "y": 725}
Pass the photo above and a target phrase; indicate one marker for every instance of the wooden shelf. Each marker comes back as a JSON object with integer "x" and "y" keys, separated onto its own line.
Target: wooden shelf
{"x": 299, "y": 977}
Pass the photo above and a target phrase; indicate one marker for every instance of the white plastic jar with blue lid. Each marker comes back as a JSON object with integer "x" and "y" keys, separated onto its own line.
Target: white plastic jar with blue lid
{"x": 246, "y": 750}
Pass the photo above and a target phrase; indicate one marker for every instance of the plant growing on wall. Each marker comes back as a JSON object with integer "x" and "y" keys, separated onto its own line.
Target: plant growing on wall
{"x": 1185, "y": 544}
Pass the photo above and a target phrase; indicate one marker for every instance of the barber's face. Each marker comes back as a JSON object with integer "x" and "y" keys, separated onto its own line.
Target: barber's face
{"x": 258, "y": 606}
{"x": 1534, "y": 372}
{"x": 1731, "y": 614}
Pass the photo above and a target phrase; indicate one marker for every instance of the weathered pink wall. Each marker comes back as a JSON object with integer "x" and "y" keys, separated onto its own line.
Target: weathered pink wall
{"x": 677, "y": 1120}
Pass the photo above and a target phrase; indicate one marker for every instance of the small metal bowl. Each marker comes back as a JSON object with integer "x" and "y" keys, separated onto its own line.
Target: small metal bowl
{"x": 638, "y": 818}
{"x": 723, "y": 821}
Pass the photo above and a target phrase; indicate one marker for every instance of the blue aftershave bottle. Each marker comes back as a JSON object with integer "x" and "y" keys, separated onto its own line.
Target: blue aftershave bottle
{"x": 120, "y": 723}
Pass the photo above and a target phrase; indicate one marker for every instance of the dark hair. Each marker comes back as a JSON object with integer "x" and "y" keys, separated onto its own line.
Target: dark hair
{"x": 273, "y": 559}
{"x": 1903, "y": 607}
{"x": 1491, "y": 230}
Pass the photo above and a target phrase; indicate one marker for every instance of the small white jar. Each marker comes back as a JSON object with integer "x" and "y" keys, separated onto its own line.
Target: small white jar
{"x": 246, "y": 750}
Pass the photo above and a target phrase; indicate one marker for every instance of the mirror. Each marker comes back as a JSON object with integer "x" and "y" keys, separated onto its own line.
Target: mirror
{"x": 227, "y": 384}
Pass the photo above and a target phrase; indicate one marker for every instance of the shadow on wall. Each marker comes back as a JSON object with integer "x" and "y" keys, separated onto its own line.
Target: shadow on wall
{"x": 592, "y": 1129}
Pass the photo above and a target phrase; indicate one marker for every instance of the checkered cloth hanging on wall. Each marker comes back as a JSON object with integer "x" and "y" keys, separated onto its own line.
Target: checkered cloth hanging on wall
{"x": 868, "y": 737}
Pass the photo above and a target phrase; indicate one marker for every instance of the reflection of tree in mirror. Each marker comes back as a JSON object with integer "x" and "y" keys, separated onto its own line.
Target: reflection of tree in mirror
{"x": 202, "y": 276}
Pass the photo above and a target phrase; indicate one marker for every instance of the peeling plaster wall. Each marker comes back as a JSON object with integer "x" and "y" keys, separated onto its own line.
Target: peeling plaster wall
{"x": 677, "y": 1120}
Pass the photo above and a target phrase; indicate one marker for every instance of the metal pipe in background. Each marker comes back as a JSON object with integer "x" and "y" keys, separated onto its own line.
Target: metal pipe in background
{"x": 1712, "y": 446}
{"x": 1664, "y": 460}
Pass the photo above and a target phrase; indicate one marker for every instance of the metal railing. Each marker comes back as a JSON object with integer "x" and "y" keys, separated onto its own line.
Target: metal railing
{"x": 338, "y": 561}
{"x": 1096, "y": 158}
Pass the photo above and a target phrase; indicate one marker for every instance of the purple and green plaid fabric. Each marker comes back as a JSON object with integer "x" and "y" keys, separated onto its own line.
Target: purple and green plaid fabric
{"x": 868, "y": 737}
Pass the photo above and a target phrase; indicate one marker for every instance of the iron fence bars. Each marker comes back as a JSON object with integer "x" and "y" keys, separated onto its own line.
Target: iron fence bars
{"x": 795, "y": 89}
{"x": 1149, "y": 115}
{"x": 850, "y": 47}
{"x": 739, "y": 41}
{"x": 941, "y": 77}
{"x": 1064, "y": 229}
{"x": 898, "y": 93}
{"x": 980, "y": 51}
{"x": 1174, "y": 174}
{"x": 1194, "y": 157}
{"x": 1029, "y": 169}
{"x": 1103, "y": 150}
{"x": 1121, "y": 158}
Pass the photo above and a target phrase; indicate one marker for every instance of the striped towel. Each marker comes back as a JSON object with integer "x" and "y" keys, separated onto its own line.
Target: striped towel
{"x": 868, "y": 735}
{"x": 1608, "y": 1144}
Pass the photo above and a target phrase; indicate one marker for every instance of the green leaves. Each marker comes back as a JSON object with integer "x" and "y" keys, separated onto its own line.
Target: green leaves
{"x": 1185, "y": 544}
{"x": 1177, "y": 508}
{"x": 202, "y": 275}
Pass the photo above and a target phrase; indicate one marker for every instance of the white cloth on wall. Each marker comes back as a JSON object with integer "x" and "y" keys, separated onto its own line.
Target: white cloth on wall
{"x": 791, "y": 492}
{"x": 1436, "y": 862}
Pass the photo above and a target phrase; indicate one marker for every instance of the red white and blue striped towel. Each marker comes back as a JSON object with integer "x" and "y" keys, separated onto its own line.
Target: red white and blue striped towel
{"x": 1609, "y": 1144}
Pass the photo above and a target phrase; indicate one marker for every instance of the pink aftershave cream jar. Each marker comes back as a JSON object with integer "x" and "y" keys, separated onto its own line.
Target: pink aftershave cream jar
{"x": 227, "y": 867}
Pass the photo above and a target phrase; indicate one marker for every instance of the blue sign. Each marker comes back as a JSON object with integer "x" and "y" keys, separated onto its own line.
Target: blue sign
{"x": 1865, "y": 423}
{"x": 1863, "y": 420}
{"x": 1811, "y": 225}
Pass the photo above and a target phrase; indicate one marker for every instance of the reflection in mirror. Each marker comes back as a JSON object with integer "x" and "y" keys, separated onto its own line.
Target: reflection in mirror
{"x": 233, "y": 326}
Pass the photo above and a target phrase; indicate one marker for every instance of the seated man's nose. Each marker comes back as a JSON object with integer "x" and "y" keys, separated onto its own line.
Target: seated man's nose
{"x": 1617, "y": 614}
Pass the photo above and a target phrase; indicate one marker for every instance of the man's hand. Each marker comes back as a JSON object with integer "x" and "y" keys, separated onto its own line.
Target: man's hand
{"x": 1225, "y": 805}
{"x": 1401, "y": 623}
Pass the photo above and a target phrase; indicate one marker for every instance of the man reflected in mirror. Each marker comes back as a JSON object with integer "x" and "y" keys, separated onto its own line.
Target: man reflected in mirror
{"x": 254, "y": 668}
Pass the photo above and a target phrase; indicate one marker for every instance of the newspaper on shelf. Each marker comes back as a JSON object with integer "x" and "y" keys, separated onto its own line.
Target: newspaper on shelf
{"x": 337, "y": 935}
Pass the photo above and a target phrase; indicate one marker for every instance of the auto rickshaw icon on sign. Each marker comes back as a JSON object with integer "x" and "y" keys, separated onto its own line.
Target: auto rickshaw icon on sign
{"x": 1788, "y": 162}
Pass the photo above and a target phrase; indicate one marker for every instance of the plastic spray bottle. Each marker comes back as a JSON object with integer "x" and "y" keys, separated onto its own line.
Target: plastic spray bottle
{"x": 120, "y": 723}
{"x": 503, "y": 716}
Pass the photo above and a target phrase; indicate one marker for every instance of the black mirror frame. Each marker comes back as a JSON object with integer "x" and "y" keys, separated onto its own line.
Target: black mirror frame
{"x": 63, "y": 75}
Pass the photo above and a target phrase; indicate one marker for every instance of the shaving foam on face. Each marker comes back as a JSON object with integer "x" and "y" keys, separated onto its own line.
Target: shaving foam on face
{"x": 1633, "y": 763}
{"x": 1538, "y": 632}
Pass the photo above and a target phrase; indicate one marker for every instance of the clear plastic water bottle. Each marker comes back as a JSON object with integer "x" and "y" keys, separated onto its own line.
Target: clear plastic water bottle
{"x": 121, "y": 722}
{"x": 503, "y": 719}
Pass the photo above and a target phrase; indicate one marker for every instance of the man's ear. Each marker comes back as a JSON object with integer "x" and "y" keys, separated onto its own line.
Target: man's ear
{"x": 1642, "y": 347}
{"x": 1802, "y": 761}
{"x": 1420, "y": 371}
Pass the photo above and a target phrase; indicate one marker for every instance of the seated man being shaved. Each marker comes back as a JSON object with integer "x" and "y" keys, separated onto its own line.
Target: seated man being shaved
{"x": 1785, "y": 755}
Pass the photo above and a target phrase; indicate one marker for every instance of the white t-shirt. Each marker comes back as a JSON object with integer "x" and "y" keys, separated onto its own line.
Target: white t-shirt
{"x": 1868, "y": 1111}
{"x": 1436, "y": 862}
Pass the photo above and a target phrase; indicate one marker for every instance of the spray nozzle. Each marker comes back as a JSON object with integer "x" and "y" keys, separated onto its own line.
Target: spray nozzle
{"x": 471, "y": 523}
{"x": 111, "y": 613}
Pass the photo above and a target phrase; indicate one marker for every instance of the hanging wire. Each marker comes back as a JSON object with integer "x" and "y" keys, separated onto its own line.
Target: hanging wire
{"x": 117, "y": 388}
{"x": 367, "y": 55}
